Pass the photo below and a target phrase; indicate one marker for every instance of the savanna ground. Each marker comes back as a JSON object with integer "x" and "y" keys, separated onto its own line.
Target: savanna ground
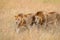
{"x": 9, "y": 8}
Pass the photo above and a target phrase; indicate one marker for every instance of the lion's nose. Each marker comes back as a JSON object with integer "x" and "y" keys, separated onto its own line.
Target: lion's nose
{"x": 16, "y": 22}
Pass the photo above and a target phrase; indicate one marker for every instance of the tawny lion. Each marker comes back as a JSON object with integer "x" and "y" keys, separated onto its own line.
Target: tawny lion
{"x": 39, "y": 18}
{"x": 22, "y": 20}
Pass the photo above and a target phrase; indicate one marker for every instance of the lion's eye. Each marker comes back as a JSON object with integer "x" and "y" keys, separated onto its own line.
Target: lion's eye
{"x": 18, "y": 19}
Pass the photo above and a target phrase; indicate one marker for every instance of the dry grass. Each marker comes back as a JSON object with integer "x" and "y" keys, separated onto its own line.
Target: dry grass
{"x": 9, "y": 8}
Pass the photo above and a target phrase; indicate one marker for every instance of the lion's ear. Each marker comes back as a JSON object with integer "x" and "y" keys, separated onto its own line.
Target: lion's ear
{"x": 39, "y": 12}
{"x": 52, "y": 12}
{"x": 16, "y": 17}
{"x": 25, "y": 15}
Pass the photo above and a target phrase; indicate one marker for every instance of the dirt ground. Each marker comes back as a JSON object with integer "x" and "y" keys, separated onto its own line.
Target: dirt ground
{"x": 9, "y": 8}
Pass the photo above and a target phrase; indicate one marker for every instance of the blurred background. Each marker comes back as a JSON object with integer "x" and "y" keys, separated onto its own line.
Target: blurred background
{"x": 10, "y": 8}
